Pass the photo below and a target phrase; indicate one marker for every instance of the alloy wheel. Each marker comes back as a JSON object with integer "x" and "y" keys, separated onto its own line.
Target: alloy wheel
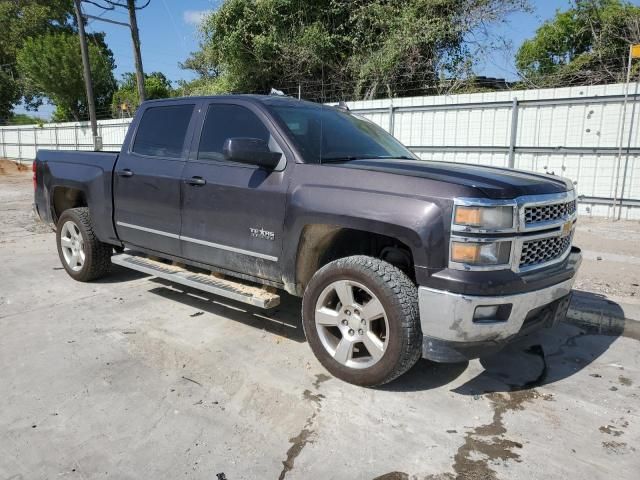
{"x": 352, "y": 324}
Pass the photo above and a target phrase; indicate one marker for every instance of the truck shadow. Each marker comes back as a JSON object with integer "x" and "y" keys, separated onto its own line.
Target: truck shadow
{"x": 539, "y": 359}
{"x": 120, "y": 274}
{"x": 543, "y": 357}
{"x": 283, "y": 320}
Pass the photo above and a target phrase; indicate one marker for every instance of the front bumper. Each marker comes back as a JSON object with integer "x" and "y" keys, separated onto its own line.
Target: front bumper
{"x": 452, "y": 334}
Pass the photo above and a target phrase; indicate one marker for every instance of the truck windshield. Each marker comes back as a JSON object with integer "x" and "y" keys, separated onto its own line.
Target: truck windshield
{"x": 325, "y": 134}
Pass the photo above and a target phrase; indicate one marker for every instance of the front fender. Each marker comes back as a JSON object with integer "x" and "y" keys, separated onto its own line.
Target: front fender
{"x": 417, "y": 222}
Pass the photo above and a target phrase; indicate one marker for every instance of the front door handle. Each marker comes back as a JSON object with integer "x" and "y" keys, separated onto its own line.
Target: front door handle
{"x": 125, "y": 173}
{"x": 196, "y": 181}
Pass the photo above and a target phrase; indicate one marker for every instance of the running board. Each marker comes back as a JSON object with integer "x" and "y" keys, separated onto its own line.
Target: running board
{"x": 240, "y": 292}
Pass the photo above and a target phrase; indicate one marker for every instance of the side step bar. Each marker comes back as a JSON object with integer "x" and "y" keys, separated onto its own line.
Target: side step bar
{"x": 240, "y": 292}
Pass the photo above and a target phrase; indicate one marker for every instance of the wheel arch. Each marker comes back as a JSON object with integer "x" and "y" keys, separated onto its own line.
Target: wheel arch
{"x": 320, "y": 244}
{"x": 65, "y": 197}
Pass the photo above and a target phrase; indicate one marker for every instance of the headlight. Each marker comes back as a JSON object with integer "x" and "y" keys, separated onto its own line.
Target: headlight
{"x": 484, "y": 217}
{"x": 473, "y": 253}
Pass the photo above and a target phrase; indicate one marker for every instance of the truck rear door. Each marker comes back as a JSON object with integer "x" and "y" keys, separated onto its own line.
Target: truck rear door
{"x": 233, "y": 213}
{"x": 147, "y": 177}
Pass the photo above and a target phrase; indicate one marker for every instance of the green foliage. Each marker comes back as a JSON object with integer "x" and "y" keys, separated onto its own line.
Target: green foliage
{"x": 156, "y": 86}
{"x": 214, "y": 85}
{"x": 20, "y": 20}
{"x": 587, "y": 44}
{"x": 51, "y": 67}
{"x": 9, "y": 94}
{"x": 24, "y": 119}
{"x": 340, "y": 48}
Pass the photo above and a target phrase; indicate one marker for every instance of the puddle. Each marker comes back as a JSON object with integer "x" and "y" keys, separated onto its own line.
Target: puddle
{"x": 488, "y": 441}
{"x": 305, "y": 436}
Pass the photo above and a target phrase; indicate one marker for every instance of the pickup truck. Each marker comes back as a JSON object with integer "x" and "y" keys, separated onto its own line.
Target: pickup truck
{"x": 395, "y": 258}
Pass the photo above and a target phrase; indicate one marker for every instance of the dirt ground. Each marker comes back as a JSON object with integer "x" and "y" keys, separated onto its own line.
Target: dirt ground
{"x": 7, "y": 167}
{"x": 611, "y": 264}
{"x": 131, "y": 377}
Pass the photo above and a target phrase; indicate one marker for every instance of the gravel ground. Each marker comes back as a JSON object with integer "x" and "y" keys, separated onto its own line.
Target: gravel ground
{"x": 611, "y": 263}
{"x": 131, "y": 377}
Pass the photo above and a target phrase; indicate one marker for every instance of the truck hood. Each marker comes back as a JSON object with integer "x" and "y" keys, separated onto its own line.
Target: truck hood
{"x": 496, "y": 183}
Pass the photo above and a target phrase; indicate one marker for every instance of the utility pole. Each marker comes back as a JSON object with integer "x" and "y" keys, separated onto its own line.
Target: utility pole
{"x": 97, "y": 141}
{"x": 135, "y": 38}
{"x": 634, "y": 52}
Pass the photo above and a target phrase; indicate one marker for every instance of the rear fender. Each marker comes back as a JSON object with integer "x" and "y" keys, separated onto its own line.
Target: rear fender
{"x": 95, "y": 185}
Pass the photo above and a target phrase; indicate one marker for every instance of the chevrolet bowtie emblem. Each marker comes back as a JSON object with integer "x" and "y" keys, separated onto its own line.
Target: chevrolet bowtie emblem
{"x": 566, "y": 228}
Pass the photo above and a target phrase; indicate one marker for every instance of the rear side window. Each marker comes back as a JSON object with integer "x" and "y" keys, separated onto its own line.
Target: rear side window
{"x": 162, "y": 130}
{"x": 229, "y": 121}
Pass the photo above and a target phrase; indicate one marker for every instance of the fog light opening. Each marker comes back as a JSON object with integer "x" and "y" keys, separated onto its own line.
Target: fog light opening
{"x": 492, "y": 313}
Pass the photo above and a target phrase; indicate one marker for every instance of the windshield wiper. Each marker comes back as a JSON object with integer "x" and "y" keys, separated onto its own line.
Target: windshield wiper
{"x": 347, "y": 158}
{"x": 398, "y": 157}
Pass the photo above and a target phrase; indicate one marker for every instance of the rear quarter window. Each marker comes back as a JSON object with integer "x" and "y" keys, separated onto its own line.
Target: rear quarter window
{"x": 162, "y": 131}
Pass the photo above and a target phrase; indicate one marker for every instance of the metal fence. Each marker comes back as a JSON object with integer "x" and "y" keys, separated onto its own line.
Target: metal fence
{"x": 22, "y": 142}
{"x": 577, "y": 132}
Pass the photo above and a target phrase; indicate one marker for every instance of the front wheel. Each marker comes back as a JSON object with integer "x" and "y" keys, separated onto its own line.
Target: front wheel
{"x": 360, "y": 316}
{"x": 83, "y": 256}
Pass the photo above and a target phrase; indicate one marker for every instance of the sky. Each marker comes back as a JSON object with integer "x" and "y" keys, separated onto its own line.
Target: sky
{"x": 168, "y": 34}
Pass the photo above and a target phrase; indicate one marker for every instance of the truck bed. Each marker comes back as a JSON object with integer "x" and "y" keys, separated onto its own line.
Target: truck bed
{"x": 62, "y": 177}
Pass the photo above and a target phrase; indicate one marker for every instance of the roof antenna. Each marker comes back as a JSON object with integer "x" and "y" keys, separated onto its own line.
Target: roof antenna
{"x": 277, "y": 93}
{"x": 342, "y": 105}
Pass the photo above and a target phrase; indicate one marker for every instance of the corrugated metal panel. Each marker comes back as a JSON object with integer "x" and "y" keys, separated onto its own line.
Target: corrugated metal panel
{"x": 571, "y": 117}
{"x": 586, "y": 118}
{"x": 22, "y": 142}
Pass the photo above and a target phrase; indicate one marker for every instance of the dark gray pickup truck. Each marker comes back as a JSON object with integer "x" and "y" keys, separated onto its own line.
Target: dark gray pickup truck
{"x": 395, "y": 258}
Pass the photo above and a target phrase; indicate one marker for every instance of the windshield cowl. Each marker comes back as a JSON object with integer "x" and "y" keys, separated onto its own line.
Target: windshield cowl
{"x": 365, "y": 157}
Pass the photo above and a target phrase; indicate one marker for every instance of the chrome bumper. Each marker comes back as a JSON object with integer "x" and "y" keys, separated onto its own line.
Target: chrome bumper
{"x": 448, "y": 318}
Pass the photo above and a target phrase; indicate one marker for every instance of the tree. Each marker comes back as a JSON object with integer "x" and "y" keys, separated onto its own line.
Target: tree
{"x": 20, "y": 20}
{"x": 156, "y": 86}
{"x": 341, "y": 48}
{"x": 587, "y": 44}
{"x": 24, "y": 119}
{"x": 51, "y": 67}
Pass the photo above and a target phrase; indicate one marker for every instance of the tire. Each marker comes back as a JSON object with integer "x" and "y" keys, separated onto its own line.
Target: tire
{"x": 389, "y": 341}
{"x": 92, "y": 258}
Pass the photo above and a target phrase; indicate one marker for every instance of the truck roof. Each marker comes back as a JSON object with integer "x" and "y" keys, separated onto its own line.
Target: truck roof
{"x": 265, "y": 99}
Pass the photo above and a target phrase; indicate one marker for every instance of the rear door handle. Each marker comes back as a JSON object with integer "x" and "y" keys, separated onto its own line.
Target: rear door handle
{"x": 196, "y": 181}
{"x": 125, "y": 173}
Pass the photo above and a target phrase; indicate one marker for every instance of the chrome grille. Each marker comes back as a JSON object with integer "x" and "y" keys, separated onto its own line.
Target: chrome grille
{"x": 535, "y": 252}
{"x": 545, "y": 213}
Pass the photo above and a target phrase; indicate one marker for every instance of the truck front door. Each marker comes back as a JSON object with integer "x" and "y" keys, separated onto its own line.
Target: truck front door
{"x": 233, "y": 213}
{"x": 148, "y": 177}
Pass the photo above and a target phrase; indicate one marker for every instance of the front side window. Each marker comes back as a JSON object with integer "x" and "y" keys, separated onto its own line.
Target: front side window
{"x": 162, "y": 131}
{"x": 325, "y": 134}
{"x": 225, "y": 121}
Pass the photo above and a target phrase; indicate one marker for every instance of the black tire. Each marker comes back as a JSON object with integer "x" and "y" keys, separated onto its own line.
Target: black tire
{"x": 97, "y": 255}
{"x": 399, "y": 298}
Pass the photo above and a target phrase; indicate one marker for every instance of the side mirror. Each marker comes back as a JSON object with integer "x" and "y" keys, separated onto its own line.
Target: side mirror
{"x": 252, "y": 151}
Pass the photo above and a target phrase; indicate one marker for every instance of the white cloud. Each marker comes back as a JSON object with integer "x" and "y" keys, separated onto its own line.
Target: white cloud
{"x": 195, "y": 17}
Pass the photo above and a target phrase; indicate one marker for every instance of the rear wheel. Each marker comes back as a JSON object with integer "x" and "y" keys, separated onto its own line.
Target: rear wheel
{"x": 360, "y": 316}
{"x": 83, "y": 256}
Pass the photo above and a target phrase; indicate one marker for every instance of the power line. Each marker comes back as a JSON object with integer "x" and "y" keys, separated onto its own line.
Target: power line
{"x": 111, "y": 5}
{"x": 135, "y": 37}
